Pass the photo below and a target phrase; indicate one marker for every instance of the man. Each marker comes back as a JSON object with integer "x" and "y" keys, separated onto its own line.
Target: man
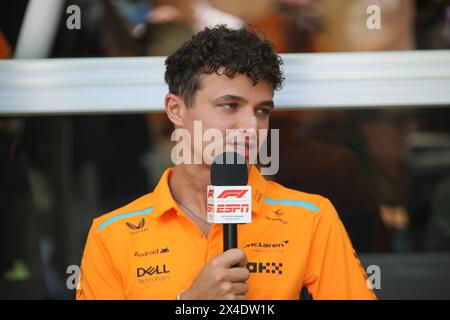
{"x": 161, "y": 245}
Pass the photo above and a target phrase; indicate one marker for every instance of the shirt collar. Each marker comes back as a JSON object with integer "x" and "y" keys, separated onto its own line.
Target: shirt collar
{"x": 259, "y": 187}
{"x": 162, "y": 197}
{"x": 163, "y": 200}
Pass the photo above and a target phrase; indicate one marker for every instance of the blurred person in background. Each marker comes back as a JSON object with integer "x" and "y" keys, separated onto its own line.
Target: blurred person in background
{"x": 306, "y": 162}
{"x": 438, "y": 237}
{"x": 20, "y": 266}
{"x": 328, "y": 25}
{"x": 432, "y": 187}
{"x": 305, "y": 22}
{"x": 288, "y": 24}
{"x": 14, "y": 196}
{"x": 5, "y": 48}
{"x": 263, "y": 15}
{"x": 344, "y": 26}
{"x": 384, "y": 152}
{"x": 158, "y": 27}
{"x": 433, "y": 24}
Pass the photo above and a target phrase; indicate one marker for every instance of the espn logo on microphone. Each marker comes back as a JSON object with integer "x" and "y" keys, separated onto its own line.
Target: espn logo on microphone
{"x": 229, "y": 204}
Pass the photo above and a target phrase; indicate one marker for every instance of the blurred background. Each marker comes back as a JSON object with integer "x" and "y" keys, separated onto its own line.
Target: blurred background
{"x": 385, "y": 168}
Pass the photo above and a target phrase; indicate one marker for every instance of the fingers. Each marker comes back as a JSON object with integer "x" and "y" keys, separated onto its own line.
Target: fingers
{"x": 220, "y": 280}
{"x": 230, "y": 258}
{"x": 238, "y": 274}
{"x": 240, "y": 288}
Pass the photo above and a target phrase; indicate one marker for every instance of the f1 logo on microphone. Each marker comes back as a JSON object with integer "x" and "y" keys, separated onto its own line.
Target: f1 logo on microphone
{"x": 237, "y": 193}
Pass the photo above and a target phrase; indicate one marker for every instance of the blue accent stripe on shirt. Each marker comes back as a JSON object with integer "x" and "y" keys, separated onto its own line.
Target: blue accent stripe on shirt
{"x": 122, "y": 216}
{"x": 304, "y": 204}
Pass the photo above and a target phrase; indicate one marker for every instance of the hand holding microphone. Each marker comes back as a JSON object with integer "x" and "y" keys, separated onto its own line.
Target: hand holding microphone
{"x": 218, "y": 280}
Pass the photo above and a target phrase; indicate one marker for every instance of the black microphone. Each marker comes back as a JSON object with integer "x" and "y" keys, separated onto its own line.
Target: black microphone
{"x": 229, "y": 169}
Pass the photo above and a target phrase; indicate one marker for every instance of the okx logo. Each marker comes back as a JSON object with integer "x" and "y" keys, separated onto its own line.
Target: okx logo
{"x": 265, "y": 267}
{"x": 152, "y": 270}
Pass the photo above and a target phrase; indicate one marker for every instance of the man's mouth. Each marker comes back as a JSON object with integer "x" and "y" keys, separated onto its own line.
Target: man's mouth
{"x": 243, "y": 148}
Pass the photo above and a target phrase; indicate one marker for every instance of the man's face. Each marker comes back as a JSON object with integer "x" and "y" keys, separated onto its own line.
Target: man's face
{"x": 231, "y": 103}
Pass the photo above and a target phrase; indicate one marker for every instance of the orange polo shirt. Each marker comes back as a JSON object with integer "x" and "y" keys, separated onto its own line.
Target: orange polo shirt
{"x": 149, "y": 249}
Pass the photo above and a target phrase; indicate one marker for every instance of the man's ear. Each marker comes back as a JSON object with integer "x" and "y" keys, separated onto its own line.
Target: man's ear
{"x": 174, "y": 106}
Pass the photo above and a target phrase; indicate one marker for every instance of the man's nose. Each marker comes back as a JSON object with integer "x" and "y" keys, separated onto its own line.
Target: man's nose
{"x": 248, "y": 121}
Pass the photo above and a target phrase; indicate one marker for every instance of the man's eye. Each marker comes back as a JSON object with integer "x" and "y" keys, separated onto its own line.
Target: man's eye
{"x": 264, "y": 111}
{"x": 229, "y": 105}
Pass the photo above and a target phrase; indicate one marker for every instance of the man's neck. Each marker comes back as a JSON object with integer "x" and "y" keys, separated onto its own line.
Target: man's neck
{"x": 188, "y": 185}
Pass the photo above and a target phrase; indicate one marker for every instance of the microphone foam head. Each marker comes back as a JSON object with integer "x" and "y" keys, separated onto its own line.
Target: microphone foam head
{"x": 229, "y": 169}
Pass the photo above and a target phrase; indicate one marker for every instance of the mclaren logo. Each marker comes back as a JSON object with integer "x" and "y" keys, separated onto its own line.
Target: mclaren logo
{"x": 264, "y": 245}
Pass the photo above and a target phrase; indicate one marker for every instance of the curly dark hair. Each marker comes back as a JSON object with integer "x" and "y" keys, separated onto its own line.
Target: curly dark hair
{"x": 239, "y": 51}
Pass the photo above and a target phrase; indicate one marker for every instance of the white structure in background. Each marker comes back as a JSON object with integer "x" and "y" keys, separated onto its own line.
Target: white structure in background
{"x": 317, "y": 80}
{"x": 38, "y": 29}
{"x": 208, "y": 16}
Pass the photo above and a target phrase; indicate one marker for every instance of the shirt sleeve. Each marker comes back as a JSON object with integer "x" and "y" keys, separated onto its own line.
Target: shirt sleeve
{"x": 99, "y": 279}
{"x": 334, "y": 270}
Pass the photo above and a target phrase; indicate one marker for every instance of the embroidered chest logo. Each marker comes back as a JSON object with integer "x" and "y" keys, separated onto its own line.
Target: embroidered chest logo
{"x": 137, "y": 228}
